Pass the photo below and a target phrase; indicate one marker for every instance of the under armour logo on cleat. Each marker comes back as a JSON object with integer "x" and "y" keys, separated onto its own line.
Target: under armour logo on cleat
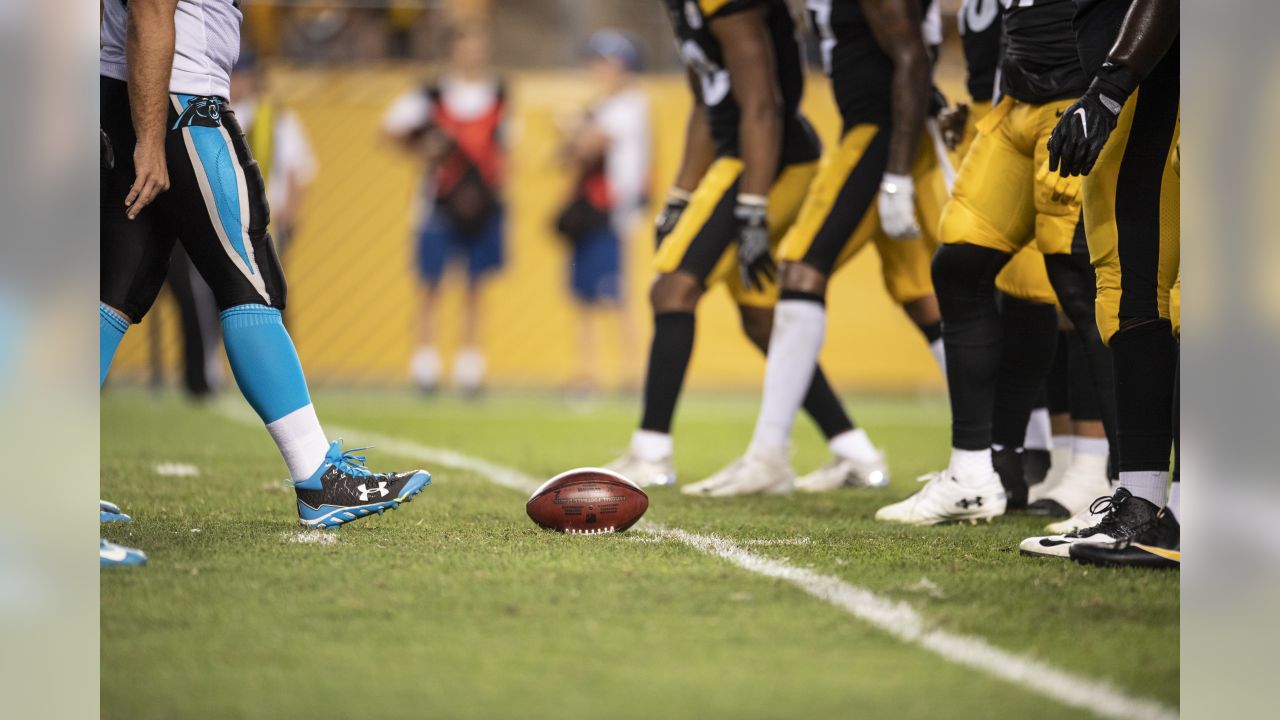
{"x": 365, "y": 491}
{"x": 966, "y": 502}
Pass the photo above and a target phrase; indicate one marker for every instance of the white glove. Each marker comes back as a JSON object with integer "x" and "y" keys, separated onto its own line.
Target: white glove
{"x": 897, "y": 206}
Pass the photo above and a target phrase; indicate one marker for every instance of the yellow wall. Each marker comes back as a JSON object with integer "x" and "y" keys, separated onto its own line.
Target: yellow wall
{"x": 351, "y": 284}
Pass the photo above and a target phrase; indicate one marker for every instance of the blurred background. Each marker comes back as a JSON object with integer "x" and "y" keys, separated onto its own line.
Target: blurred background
{"x": 349, "y": 227}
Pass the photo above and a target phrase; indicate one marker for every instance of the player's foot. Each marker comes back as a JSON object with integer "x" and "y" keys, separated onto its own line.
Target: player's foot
{"x": 110, "y": 512}
{"x": 113, "y": 555}
{"x": 843, "y": 472}
{"x": 1160, "y": 546}
{"x": 1036, "y": 464}
{"x": 1081, "y": 520}
{"x": 468, "y": 372}
{"x": 425, "y": 368}
{"x": 1012, "y": 473}
{"x": 1085, "y": 480}
{"x": 943, "y": 499}
{"x": 759, "y": 472}
{"x": 645, "y": 473}
{"x": 342, "y": 489}
{"x": 1059, "y": 461}
{"x": 1126, "y": 517}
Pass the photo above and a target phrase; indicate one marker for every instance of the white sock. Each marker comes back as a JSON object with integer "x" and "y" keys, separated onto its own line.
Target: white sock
{"x": 854, "y": 444}
{"x": 939, "y": 354}
{"x": 1090, "y": 446}
{"x": 1038, "y": 431}
{"x": 424, "y": 368}
{"x": 971, "y": 468}
{"x": 1175, "y": 501}
{"x": 798, "y": 329}
{"x": 652, "y": 446}
{"x": 301, "y": 441}
{"x": 1150, "y": 485}
{"x": 1062, "y": 442}
{"x": 468, "y": 369}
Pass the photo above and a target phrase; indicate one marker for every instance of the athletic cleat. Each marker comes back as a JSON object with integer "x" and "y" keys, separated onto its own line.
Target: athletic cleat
{"x": 1065, "y": 535}
{"x": 943, "y": 499}
{"x": 1126, "y": 517}
{"x": 342, "y": 489}
{"x": 1160, "y": 547}
{"x": 113, "y": 555}
{"x": 110, "y": 512}
{"x": 759, "y": 472}
{"x": 1059, "y": 461}
{"x": 843, "y": 472}
{"x": 1011, "y": 470}
{"x": 1079, "y": 521}
{"x": 645, "y": 473}
{"x": 1085, "y": 479}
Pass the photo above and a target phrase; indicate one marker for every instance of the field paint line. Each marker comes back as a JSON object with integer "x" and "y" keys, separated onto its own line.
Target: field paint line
{"x": 896, "y": 618}
{"x": 173, "y": 469}
{"x": 905, "y": 623}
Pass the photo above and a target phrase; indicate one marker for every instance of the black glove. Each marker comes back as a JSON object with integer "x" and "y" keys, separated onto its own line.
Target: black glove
{"x": 1084, "y": 127}
{"x": 754, "y": 261}
{"x": 677, "y": 201}
{"x": 108, "y": 154}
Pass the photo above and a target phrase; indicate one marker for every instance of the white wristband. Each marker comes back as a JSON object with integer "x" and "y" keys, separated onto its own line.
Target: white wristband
{"x": 749, "y": 199}
{"x": 893, "y": 183}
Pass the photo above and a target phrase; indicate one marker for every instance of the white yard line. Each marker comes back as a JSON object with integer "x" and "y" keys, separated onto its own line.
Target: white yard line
{"x": 896, "y": 618}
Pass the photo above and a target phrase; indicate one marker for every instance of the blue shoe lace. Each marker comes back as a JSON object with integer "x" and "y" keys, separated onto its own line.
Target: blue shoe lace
{"x": 352, "y": 464}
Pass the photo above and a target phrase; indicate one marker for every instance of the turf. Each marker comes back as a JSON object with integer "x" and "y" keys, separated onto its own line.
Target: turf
{"x": 457, "y": 606}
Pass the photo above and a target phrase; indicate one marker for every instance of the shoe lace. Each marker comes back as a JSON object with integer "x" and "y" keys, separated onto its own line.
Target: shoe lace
{"x": 353, "y": 464}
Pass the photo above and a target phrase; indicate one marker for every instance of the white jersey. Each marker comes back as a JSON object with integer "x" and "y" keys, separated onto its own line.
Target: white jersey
{"x": 207, "y": 43}
{"x": 624, "y": 119}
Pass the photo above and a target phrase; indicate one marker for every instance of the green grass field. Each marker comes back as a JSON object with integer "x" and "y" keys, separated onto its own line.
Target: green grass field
{"x": 457, "y": 606}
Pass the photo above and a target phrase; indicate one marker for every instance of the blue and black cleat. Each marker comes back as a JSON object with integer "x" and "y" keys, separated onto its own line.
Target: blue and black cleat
{"x": 342, "y": 489}
{"x": 113, "y": 555}
{"x": 110, "y": 512}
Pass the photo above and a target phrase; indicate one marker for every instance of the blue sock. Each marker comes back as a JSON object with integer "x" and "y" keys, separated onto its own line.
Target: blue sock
{"x": 266, "y": 368}
{"x": 264, "y": 361}
{"x": 111, "y": 329}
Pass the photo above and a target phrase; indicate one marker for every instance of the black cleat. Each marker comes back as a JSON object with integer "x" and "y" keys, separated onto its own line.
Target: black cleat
{"x": 1159, "y": 547}
{"x": 1044, "y": 507}
{"x": 1035, "y": 466}
{"x": 1009, "y": 466}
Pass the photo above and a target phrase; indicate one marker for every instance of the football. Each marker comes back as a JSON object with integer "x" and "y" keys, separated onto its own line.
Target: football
{"x": 587, "y": 501}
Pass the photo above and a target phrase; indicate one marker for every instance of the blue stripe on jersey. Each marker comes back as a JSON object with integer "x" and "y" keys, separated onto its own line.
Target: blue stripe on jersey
{"x": 220, "y": 170}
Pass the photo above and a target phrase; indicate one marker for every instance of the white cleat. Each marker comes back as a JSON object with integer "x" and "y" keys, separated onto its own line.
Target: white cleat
{"x": 944, "y": 500}
{"x": 1060, "y": 460}
{"x": 645, "y": 473}
{"x": 1059, "y": 545}
{"x": 1083, "y": 482}
{"x": 1081, "y": 520}
{"x": 759, "y": 472}
{"x": 843, "y": 472}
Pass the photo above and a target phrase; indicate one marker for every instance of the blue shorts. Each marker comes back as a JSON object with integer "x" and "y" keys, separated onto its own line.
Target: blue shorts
{"x": 439, "y": 242}
{"x": 595, "y": 267}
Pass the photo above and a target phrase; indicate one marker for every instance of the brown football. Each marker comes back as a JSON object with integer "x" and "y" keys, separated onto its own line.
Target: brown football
{"x": 587, "y": 501}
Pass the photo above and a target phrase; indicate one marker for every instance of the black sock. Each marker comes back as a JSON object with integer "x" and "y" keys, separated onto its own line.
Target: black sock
{"x": 824, "y": 407}
{"x": 1076, "y": 286}
{"x": 1058, "y": 384}
{"x": 1030, "y": 339}
{"x": 964, "y": 279}
{"x": 932, "y": 332}
{"x": 1084, "y": 396}
{"x": 668, "y": 359}
{"x": 1146, "y": 358}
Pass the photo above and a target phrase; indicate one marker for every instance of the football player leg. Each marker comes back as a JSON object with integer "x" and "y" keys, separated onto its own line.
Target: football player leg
{"x": 986, "y": 221}
{"x": 834, "y": 222}
{"x": 1137, "y": 260}
{"x": 686, "y": 257}
{"x": 217, "y": 206}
